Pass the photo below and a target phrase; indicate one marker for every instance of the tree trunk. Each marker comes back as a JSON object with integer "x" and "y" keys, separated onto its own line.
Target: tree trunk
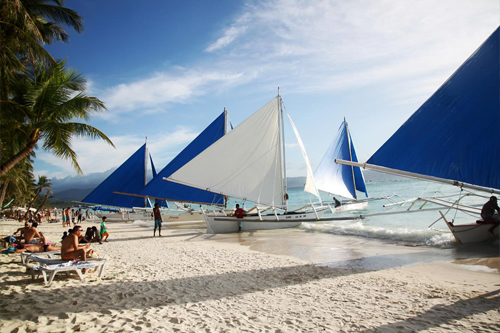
{"x": 43, "y": 203}
{"x": 9, "y": 164}
{"x": 2, "y": 193}
{"x": 31, "y": 204}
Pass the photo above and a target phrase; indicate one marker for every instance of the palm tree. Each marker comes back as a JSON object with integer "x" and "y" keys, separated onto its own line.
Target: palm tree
{"x": 45, "y": 101}
{"x": 48, "y": 193}
{"x": 25, "y": 25}
{"x": 16, "y": 182}
{"x": 37, "y": 188}
{"x": 43, "y": 183}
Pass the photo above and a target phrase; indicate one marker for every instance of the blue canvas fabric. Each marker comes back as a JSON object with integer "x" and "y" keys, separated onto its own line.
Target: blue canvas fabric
{"x": 358, "y": 176}
{"x": 128, "y": 178}
{"x": 455, "y": 134}
{"x": 333, "y": 177}
{"x": 346, "y": 170}
{"x": 159, "y": 188}
{"x": 162, "y": 203}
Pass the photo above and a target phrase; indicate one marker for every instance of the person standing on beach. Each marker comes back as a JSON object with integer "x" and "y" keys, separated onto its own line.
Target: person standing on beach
{"x": 68, "y": 224}
{"x": 239, "y": 213}
{"x": 104, "y": 230}
{"x": 63, "y": 218}
{"x": 157, "y": 217}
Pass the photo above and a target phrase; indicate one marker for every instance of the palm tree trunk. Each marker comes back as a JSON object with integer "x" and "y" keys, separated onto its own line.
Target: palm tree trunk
{"x": 2, "y": 193}
{"x": 9, "y": 164}
{"x": 31, "y": 203}
{"x": 43, "y": 203}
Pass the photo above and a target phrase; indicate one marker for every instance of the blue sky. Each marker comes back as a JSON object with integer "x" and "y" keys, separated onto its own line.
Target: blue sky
{"x": 166, "y": 69}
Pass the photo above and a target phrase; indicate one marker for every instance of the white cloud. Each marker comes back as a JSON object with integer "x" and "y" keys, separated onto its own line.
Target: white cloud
{"x": 232, "y": 33}
{"x": 162, "y": 88}
{"x": 229, "y": 36}
{"x": 322, "y": 46}
{"x": 330, "y": 45}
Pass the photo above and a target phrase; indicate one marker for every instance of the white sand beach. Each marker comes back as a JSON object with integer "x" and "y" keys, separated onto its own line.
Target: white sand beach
{"x": 273, "y": 281}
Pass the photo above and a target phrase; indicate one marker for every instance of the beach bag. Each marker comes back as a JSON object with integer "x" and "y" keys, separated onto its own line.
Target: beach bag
{"x": 93, "y": 254}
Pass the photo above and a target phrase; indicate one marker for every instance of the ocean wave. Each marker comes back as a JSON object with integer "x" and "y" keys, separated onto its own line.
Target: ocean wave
{"x": 405, "y": 236}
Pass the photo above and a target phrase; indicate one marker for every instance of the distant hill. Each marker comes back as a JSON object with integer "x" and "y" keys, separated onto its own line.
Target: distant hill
{"x": 74, "y": 194}
{"x": 69, "y": 189}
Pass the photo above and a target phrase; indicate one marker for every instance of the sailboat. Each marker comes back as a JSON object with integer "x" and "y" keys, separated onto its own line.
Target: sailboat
{"x": 248, "y": 164}
{"x": 160, "y": 191}
{"x": 454, "y": 137}
{"x": 130, "y": 176}
{"x": 338, "y": 179}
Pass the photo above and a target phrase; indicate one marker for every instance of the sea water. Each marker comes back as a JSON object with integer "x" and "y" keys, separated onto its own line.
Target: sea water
{"x": 420, "y": 228}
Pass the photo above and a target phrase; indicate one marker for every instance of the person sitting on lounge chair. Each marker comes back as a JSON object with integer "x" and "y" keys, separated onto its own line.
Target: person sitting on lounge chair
{"x": 31, "y": 235}
{"x": 34, "y": 248}
{"x": 21, "y": 231}
{"x": 70, "y": 248}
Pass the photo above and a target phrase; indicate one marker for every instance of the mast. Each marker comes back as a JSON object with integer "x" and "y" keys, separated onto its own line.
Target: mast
{"x": 350, "y": 158}
{"x": 225, "y": 121}
{"x": 283, "y": 165}
{"x": 146, "y": 169}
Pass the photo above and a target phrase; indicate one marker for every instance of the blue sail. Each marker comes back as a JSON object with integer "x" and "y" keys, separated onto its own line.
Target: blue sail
{"x": 158, "y": 188}
{"x": 129, "y": 177}
{"x": 455, "y": 134}
{"x": 162, "y": 203}
{"x": 336, "y": 178}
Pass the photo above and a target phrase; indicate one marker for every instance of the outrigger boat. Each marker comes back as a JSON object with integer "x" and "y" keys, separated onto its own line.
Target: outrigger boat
{"x": 454, "y": 138}
{"x": 341, "y": 180}
{"x": 130, "y": 176}
{"x": 160, "y": 191}
{"x": 248, "y": 164}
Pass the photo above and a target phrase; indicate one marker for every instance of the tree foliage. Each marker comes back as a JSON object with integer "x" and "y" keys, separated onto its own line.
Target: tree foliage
{"x": 43, "y": 104}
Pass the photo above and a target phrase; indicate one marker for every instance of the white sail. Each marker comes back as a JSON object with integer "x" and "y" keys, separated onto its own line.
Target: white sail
{"x": 245, "y": 163}
{"x": 310, "y": 185}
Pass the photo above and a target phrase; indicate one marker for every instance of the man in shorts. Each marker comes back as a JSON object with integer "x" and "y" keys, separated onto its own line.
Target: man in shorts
{"x": 157, "y": 217}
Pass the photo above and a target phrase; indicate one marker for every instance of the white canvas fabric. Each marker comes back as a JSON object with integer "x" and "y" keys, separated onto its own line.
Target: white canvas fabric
{"x": 310, "y": 185}
{"x": 245, "y": 163}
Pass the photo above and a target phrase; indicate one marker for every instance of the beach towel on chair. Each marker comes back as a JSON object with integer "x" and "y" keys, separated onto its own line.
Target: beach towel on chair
{"x": 68, "y": 266}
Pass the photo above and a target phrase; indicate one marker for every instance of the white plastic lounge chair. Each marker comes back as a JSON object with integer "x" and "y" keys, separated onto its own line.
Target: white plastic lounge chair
{"x": 49, "y": 254}
{"x": 69, "y": 266}
{"x": 60, "y": 265}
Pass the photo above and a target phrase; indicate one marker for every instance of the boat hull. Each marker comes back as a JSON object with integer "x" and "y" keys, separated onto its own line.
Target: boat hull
{"x": 123, "y": 217}
{"x": 229, "y": 224}
{"x": 473, "y": 233}
{"x": 194, "y": 217}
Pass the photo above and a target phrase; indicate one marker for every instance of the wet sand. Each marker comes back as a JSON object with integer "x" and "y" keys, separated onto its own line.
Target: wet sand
{"x": 266, "y": 281}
